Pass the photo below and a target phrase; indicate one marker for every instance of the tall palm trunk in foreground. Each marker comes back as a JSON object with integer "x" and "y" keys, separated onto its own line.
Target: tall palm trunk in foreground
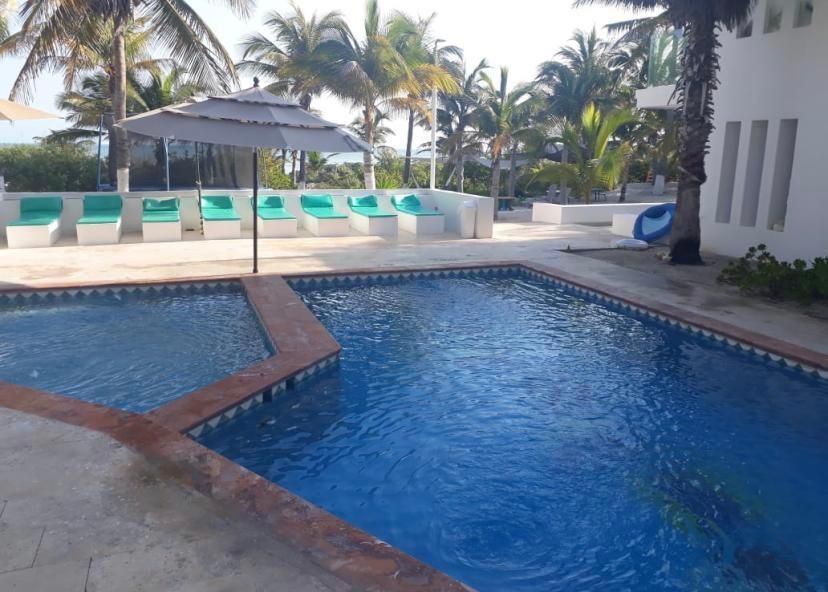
{"x": 368, "y": 156}
{"x": 409, "y": 144}
{"x": 697, "y": 83}
{"x": 119, "y": 101}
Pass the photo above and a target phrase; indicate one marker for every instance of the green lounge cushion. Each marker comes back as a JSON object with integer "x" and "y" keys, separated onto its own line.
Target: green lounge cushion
{"x": 320, "y": 206}
{"x": 218, "y": 208}
{"x": 100, "y": 217}
{"x": 325, "y": 213}
{"x": 161, "y": 210}
{"x": 35, "y": 219}
{"x": 316, "y": 201}
{"x": 272, "y": 207}
{"x": 50, "y": 204}
{"x": 411, "y": 205}
{"x": 101, "y": 209}
{"x": 367, "y": 206}
{"x": 160, "y": 216}
{"x": 38, "y": 211}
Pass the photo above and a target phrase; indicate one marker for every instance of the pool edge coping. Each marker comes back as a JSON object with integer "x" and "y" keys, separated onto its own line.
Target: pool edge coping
{"x": 332, "y": 543}
{"x": 347, "y": 552}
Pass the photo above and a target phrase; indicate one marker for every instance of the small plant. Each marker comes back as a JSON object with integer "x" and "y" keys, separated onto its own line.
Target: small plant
{"x": 759, "y": 272}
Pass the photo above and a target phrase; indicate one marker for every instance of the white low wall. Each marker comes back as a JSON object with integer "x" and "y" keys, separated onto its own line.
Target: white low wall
{"x": 447, "y": 202}
{"x": 583, "y": 213}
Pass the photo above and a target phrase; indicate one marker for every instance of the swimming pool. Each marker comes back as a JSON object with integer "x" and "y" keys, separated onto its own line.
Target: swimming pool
{"x": 130, "y": 349}
{"x": 522, "y": 438}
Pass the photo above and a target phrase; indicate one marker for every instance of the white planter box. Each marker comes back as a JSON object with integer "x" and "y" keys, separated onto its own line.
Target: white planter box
{"x": 222, "y": 229}
{"x": 385, "y": 226}
{"x": 161, "y": 232}
{"x": 23, "y": 237}
{"x": 326, "y": 226}
{"x": 623, "y": 224}
{"x": 283, "y": 228}
{"x": 99, "y": 234}
{"x": 584, "y": 213}
{"x": 421, "y": 225}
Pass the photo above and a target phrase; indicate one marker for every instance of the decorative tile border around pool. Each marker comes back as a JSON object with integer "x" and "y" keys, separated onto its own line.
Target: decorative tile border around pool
{"x": 774, "y": 350}
{"x": 354, "y": 556}
{"x": 344, "y": 550}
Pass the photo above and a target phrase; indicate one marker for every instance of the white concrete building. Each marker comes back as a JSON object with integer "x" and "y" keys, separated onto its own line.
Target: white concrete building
{"x": 768, "y": 163}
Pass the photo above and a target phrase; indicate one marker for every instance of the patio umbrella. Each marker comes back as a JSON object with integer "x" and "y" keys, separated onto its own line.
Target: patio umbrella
{"x": 11, "y": 111}
{"x": 254, "y": 118}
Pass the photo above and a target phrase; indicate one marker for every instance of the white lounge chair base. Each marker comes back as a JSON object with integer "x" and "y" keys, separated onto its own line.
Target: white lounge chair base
{"x": 99, "y": 234}
{"x": 284, "y": 228}
{"x": 377, "y": 226}
{"x": 222, "y": 229}
{"x": 421, "y": 225}
{"x": 623, "y": 224}
{"x": 161, "y": 232}
{"x": 326, "y": 226}
{"x": 25, "y": 237}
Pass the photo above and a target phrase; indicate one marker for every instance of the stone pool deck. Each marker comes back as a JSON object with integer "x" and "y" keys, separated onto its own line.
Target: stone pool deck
{"x": 80, "y": 510}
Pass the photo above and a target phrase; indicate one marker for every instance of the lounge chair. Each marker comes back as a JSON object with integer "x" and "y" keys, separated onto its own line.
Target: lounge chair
{"x": 321, "y": 218}
{"x": 221, "y": 220}
{"x": 416, "y": 219}
{"x": 274, "y": 220}
{"x": 38, "y": 224}
{"x": 367, "y": 218}
{"x": 100, "y": 223}
{"x": 161, "y": 220}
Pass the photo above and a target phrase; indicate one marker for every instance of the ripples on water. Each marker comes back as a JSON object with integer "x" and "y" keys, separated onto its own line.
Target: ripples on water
{"x": 523, "y": 439}
{"x": 132, "y": 352}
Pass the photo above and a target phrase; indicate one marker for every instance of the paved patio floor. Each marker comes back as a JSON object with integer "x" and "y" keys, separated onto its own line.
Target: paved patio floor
{"x": 79, "y": 512}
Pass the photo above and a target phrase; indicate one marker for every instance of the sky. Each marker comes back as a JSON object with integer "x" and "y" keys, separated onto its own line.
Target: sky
{"x": 519, "y": 34}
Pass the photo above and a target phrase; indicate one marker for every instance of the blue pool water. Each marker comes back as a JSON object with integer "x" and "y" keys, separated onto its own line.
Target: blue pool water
{"x": 130, "y": 351}
{"x": 524, "y": 439}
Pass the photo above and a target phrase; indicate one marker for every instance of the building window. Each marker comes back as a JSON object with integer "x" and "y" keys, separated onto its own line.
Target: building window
{"x": 773, "y": 16}
{"x": 727, "y": 178}
{"x": 745, "y": 29}
{"x": 782, "y": 173}
{"x": 804, "y": 13}
{"x": 753, "y": 174}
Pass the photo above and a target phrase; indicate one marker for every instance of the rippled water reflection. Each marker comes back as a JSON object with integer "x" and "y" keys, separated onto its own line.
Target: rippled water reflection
{"x": 131, "y": 352}
{"x": 522, "y": 439}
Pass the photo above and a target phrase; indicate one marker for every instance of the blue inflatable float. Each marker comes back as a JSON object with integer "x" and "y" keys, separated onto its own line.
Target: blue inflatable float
{"x": 655, "y": 222}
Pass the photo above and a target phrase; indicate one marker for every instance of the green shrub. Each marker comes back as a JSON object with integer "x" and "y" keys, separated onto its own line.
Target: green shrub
{"x": 47, "y": 167}
{"x": 759, "y": 272}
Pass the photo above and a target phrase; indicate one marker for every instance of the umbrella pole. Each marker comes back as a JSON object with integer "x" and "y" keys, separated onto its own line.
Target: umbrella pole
{"x": 255, "y": 210}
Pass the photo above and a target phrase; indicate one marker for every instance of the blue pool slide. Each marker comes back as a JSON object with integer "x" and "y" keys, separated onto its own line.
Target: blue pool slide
{"x": 654, "y": 222}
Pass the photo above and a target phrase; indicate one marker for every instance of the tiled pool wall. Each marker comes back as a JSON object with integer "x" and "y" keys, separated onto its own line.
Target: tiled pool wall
{"x": 311, "y": 282}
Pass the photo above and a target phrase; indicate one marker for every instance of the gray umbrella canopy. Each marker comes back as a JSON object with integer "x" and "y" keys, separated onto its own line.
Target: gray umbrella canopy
{"x": 251, "y": 117}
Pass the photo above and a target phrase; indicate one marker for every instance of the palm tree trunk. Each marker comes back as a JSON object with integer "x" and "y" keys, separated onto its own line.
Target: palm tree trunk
{"x": 495, "y": 189}
{"x": 512, "y": 170}
{"x": 461, "y": 170}
{"x": 408, "y": 145}
{"x": 303, "y": 157}
{"x": 368, "y": 157}
{"x": 564, "y": 188}
{"x": 119, "y": 99}
{"x": 293, "y": 167}
{"x": 698, "y": 81}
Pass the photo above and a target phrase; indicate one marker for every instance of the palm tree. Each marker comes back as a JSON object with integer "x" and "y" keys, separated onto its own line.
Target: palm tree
{"x": 4, "y": 22}
{"x": 500, "y": 116}
{"x": 52, "y": 28}
{"x": 701, "y": 21}
{"x": 294, "y": 58}
{"x": 455, "y": 120}
{"x": 413, "y": 39}
{"x": 596, "y": 162}
{"x": 372, "y": 74}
